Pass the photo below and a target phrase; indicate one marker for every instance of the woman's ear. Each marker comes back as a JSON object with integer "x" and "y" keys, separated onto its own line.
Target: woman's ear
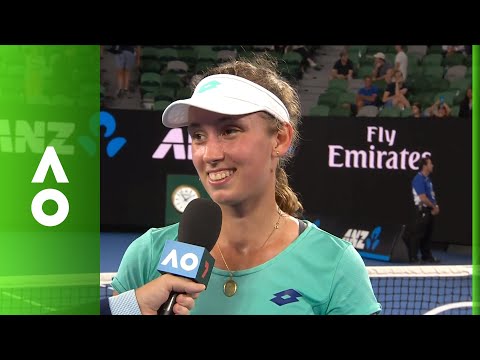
{"x": 283, "y": 140}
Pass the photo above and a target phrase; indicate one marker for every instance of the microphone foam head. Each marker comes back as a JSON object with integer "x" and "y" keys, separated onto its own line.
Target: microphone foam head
{"x": 201, "y": 223}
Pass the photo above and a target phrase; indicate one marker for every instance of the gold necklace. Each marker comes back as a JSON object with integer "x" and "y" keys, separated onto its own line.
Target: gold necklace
{"x": 230, "y": 287}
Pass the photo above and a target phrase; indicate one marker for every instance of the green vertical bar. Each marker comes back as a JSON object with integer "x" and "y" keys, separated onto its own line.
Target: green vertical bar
{"x": 475, "y": 179}
{"x": 49, "y": 97}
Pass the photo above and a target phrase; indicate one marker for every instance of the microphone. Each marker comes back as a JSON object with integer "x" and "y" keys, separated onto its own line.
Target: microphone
{"x": 190, "y": 257}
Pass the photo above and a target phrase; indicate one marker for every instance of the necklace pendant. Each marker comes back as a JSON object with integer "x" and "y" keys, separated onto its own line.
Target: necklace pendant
{"x": 230, "y": 287}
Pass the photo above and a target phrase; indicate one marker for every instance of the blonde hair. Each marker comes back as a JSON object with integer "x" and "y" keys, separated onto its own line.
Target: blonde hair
{"x": 262, "y": 70}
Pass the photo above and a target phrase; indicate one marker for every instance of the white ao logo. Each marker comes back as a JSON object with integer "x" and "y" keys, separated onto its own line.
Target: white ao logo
{"x": 50, "y": 159}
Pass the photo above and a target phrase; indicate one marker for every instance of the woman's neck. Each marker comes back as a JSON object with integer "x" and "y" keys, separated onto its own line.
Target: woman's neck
{"x": 248, "y": 228}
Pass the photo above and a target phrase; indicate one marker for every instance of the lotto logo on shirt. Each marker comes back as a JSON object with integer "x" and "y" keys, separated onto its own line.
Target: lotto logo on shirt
{"x": 286, "y": 297}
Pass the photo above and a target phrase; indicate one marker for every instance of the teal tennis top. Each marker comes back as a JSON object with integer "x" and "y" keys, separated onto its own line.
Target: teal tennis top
{"x": 317, "y": 274}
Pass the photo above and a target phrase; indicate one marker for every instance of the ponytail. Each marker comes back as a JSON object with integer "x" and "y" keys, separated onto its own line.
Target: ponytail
{"x": 285, "y": 197}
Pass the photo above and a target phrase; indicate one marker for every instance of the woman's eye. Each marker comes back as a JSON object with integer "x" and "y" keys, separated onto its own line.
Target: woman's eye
{"x": 198, "y": 137}
{"x": 230, "y": 131}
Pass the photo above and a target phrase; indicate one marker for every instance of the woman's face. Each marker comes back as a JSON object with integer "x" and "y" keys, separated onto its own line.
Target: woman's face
{"x": 233, "y": 155}
{"x": 415, "y": 110}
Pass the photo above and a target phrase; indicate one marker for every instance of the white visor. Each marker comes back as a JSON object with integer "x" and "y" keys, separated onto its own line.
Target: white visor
{"x": 226, "y": 94}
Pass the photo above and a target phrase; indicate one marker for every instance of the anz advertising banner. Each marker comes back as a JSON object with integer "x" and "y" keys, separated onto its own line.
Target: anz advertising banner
{"x": 372, "y": 241}
{"x": 352, "y": 170}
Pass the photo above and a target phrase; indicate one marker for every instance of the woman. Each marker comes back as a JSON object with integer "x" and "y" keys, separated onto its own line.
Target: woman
{"x": 243, "y": 120}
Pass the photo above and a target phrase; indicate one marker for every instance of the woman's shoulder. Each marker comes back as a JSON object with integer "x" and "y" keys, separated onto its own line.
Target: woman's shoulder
{"x": 324, "y": 239}
{"x": 169, "y": 232}
{"x": 318, "y": 247}
{"x": 327, "y": 248}
{"x": 156, "y": 237}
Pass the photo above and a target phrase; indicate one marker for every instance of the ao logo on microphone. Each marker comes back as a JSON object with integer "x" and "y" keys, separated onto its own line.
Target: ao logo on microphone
{"x": 187, "y": 260}
{"x": 173, "y": 258}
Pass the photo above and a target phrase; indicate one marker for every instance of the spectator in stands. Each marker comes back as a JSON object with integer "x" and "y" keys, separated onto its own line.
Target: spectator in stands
{"x": 307, "y": 53}
{"x": 417, "y": 110}
{"x": 439, "y": 109}
{"x": 343, "y": 67}
{"x": 367, "y": 95}
{"x": 466, "y": 105}
{"x": 126, "y": 58}
{"x": 396, "y": 92}
{"x": 453, "y": 49}
{"x": 401, "y": 61}
{"x": 382, "y": 70}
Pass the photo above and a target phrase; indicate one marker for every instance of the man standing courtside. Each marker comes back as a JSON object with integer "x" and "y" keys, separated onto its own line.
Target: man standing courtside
{"x": 426, "y": 208}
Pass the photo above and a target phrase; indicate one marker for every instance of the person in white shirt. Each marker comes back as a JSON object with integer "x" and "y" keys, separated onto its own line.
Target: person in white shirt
{"x": 401, "y": 61}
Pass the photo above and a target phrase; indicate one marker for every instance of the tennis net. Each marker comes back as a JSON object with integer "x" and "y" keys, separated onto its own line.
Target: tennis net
{"x": 423, "y": 290}
{"x": 49, "y": 294}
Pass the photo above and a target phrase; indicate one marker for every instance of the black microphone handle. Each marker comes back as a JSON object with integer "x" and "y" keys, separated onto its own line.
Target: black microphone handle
{"x": 167, "y": 307}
